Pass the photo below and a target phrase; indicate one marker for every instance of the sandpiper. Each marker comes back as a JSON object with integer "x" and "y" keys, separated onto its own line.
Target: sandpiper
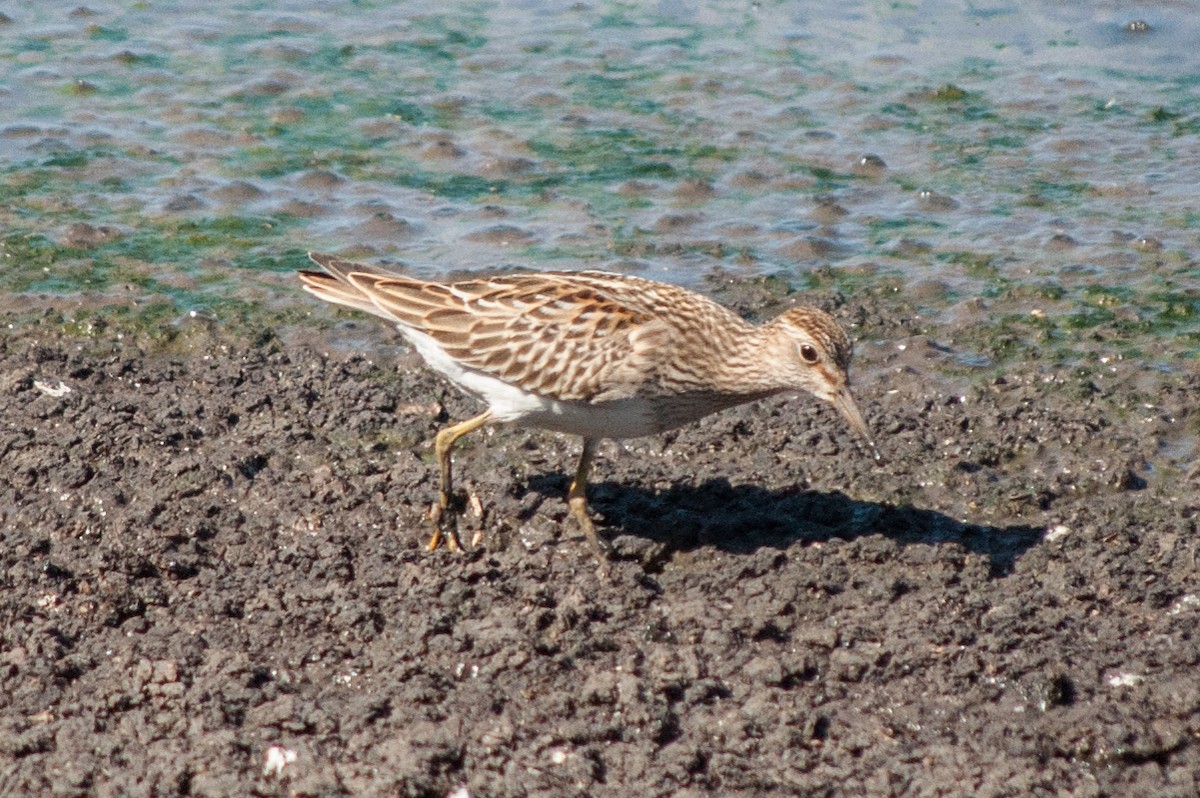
{"x": 593, "y": 354}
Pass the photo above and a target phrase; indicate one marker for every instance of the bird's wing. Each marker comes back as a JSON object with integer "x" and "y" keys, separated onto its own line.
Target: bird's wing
{"x": 544, "y": 334}
{"x": 566, "y": 335}
{"x": 547, "y": 334}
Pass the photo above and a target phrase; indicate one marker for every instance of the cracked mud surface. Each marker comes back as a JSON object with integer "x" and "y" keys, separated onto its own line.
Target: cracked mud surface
{"x": 214, "y": 548}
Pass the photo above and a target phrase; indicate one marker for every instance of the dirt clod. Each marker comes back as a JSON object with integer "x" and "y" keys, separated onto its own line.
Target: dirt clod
{"x": 214, "y": 584}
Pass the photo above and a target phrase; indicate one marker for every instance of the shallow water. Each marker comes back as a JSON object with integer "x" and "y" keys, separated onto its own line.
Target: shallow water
{"x": 1040, "y": 158}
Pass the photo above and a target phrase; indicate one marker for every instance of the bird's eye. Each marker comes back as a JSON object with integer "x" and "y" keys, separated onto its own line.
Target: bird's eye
{"x": 809, "y": 353}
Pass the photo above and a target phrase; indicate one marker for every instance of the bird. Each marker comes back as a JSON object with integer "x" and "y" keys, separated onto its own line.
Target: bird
{"x": 590, "y": 353}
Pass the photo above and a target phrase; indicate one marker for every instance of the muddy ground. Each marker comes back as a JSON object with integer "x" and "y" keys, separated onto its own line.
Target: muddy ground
{"x": 214, "y": 582}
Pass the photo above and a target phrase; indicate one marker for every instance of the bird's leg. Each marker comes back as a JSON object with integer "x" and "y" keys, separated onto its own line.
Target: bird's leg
{"x": 445, "y": 514}
{"x": 577, "y": 499}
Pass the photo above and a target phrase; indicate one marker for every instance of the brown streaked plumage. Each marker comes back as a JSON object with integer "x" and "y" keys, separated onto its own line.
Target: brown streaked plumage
{"x": 592, "y": 354}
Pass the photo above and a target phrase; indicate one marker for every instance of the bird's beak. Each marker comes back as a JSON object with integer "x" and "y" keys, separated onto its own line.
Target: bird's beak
{"x": 844, "y": 402}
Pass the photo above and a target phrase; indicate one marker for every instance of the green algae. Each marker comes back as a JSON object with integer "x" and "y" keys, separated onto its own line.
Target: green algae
{"x": 973, "y": 264}
{"x": 949, "y": 93}
{"x": 606, "y": 156}
{"x": 35, "y": 264}
{"x": 618, "y": 114}
{"x": 107, "y": 34}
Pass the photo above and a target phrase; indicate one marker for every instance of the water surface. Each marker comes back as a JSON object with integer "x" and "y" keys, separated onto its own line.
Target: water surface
{"x": 1040, "y": 158}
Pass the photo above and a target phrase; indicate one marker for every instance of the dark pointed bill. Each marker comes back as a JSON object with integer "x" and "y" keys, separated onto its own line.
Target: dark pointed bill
{"x": 846, "y": 405}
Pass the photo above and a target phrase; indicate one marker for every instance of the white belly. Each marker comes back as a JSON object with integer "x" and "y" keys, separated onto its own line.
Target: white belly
{"x": 622, "y": 418}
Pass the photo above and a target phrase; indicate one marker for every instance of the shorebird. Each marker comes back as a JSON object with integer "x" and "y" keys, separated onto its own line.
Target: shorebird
{"x": 593, "y": 354}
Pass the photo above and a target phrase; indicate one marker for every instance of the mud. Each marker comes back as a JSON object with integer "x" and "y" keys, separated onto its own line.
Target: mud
{"x": 214, "y": 581}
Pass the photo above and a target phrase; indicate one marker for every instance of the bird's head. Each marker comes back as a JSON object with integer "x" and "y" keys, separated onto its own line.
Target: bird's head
{"x": 817, "y": 352}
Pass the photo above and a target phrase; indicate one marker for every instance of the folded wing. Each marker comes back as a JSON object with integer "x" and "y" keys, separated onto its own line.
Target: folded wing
{"x": 550, "y": 334}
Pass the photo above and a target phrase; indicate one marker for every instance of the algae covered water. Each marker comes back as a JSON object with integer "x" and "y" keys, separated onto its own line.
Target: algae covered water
{"x": 1026, "y": 170}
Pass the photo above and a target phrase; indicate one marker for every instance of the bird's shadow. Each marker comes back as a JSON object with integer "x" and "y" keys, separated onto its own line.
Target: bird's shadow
{"x": 745, "y": 518}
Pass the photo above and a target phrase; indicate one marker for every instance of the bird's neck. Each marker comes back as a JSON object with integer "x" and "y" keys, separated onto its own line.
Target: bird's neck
{"x": 750, "y": 369}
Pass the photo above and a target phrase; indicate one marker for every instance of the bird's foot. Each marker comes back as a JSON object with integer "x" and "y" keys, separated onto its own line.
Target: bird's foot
{"x": 601, "y": 548}
{"x": 444, "y": 516}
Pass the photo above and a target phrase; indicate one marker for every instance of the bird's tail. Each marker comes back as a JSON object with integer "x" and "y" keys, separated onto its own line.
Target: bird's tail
{"x": 334, "y": 284}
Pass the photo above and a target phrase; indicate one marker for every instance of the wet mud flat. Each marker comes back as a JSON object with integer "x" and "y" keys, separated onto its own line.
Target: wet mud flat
{"x": 214, "y": 583}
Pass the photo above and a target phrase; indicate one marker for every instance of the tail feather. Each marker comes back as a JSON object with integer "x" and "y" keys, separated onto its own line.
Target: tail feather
{"x": 341, "y": 268}
{"x": 332, "y": 290}
{"x": 337, "y": 286}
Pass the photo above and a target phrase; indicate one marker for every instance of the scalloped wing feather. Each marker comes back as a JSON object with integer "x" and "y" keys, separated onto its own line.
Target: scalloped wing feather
{"x": 543, "y": 333}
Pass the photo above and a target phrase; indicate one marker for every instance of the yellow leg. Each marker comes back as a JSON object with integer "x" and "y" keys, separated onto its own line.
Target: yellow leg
{"x": 577, "y": 499}
{"x": 446, "y": 512}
